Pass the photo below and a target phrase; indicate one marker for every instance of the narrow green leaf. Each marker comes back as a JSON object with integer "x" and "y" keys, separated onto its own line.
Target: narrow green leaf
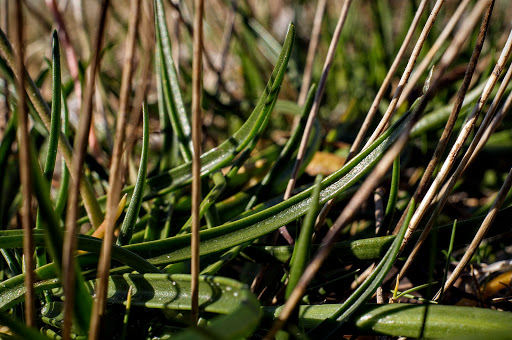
{"x": 448, "y": 258}
{"x": 54, "y": 241}
{"x": 62, "y": 194}
{"x": 53, "y": 139}
{"x": 170, "y": 86}
{"x": 227, "y": 151}
{"x": 393, "y": 197}
{"x": 302, "y": 249}
{"x": 132, "y": 213}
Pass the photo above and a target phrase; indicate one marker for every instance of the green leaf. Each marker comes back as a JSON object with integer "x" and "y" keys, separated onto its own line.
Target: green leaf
{"x": 302, "y": 249}
{"x": 170, "y": 86}
{"x": 126, "y": 232}
{"x": 239, "y": 307}
{"x": 409, "y": 319}
{"x": 227, "y": 151}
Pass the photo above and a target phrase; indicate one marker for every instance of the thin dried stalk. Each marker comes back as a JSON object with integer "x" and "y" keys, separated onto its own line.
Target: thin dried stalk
{"x": 196, "y": 162}
{"x": 25, "y": 166}
{"x": 484, "y": 228}
{"x": 80, "y": 145}
{"x": 469, "y": 155}
{"x": 315, "y": 108}
{"x": 407, "y": 72}
{"x": 310, "y": 58}
{"x": 226, "y": 41}
{"x": 387, "y": 81}
{"x": 468, "y": 24}
{"x": 445, "y": 136}
{"x": 4, "y": 110}
{"x": 463, "y": 135}
{"x": 116, "y": 178}
{"x": 148, "y": 40}
{"x": 373, "y": 109}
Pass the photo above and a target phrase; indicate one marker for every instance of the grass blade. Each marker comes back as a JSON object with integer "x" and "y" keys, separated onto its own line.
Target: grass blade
{"x": 126, "y": 231}
{"x": 170, "y": 86}
{"x": 302, "y": 250}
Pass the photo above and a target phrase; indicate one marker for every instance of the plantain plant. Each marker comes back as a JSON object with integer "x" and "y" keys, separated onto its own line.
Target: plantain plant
{"x": 380, "y": 210}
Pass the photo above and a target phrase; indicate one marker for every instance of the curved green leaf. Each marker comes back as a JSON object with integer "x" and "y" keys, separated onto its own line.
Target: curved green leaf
{"x": 302, "y": 249}
{"x": 227, "y": 151}
{"x": 126, "y": 232}
{"x": 219, "y": 295}
{"x": 408, "y": 320}
{"x": 170, "y": 86}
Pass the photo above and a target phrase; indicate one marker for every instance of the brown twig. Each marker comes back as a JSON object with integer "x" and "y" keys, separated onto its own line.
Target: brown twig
{"x": 80, "y": 145}
{"x": 26, "y": 182}
{"x": 116, "y": 178}
{"x": 461, "y": 94}
{"x": 462, "y": 137}
{"x": 4, "y": 109}
{"x": 469, "y": 155}
{"x": 387, "y": 81}
{"x": 310, "y": 58}
{"x": 407, "y": 72}
{"x": 196, "y": 161}
{"x": 468, "y": 24}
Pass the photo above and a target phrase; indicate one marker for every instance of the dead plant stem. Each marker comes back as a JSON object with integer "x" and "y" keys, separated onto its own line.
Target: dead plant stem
{"x": 196, "y": 161}
{"x": 25, "y": 166}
